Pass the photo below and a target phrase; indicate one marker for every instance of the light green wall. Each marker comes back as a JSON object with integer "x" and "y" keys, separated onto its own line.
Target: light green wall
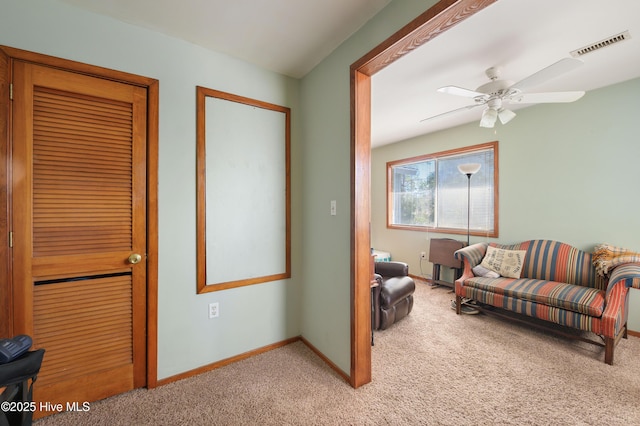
{"x": 316, "y": 301}
{"x": 250, "y": 317}
{"x": 568, "y": 172}
{"x": 326, "y": 248}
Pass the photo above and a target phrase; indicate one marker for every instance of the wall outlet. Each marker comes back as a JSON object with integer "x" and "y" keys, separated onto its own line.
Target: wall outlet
{"x": 423, "y": 255}
{"x": 214, "y": 310}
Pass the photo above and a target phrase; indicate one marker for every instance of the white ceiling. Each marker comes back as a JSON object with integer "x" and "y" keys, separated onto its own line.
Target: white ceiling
{"x": 292, "y": 36}
{"x": 286, "y": 36}
{"x": 522, "y": 36}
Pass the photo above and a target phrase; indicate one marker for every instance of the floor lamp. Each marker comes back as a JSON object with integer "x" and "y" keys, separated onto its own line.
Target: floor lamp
{"x": 469, "y": 169}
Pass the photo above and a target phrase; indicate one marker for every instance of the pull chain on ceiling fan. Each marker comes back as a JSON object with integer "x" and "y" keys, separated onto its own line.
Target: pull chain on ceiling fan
{"x": 498, "y": 92}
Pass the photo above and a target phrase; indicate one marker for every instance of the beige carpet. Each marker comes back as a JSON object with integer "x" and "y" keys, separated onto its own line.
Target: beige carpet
{"x": 432, "y": 368}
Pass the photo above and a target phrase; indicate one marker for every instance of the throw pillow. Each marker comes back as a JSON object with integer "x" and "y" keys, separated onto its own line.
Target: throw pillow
{"x": 507, "y": 263}
{"x": 480, "y": 271}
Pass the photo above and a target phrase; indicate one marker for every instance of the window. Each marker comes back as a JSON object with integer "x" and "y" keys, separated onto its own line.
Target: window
{"x": 429, "y": 193}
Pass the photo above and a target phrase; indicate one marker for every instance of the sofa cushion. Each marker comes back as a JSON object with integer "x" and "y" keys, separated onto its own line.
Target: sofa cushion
{"x": 481, "y": 271}
{"x": 585, "y": 300}
{"x": 507, "y": 263}
{"x": 556, "y": 261}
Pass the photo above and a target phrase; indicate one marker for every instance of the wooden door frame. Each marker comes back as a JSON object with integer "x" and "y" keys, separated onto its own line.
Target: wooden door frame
{"x": 7, "y": 55}
{"x": 435, "y": 21}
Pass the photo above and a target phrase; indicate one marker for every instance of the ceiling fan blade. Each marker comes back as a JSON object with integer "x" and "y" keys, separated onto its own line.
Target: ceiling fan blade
{"x": 553, "y": 70}
{"x": 459, "y": 91}
{"x": 546, "y": 98}
{"x": 465, "y": 108}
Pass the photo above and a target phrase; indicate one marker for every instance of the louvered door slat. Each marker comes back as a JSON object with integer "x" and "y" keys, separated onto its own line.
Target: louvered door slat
{"x": 76, "y": 140}
{"x": 81, "y": 105}
{"x": 66, "y": 125}
{"x": 49, "y": 159}
{"x": 76, "y": 163}
{"x": 86, "y": 114}
{"x": 59, "y": 234}
{"x": 83, "y": 114}
{"x": 78, "y": 158}
{"x": 82, "y": 188}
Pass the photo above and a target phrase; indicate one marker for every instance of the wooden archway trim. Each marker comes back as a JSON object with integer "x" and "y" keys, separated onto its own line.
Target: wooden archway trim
{"x": 436, "y": 20}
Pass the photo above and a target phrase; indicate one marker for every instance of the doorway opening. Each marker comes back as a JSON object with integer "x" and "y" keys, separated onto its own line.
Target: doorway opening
{"x": 436, "y": 20}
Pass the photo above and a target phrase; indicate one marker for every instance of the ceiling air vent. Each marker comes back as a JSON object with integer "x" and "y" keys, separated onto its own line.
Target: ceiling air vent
{"x": 601, "y": 44}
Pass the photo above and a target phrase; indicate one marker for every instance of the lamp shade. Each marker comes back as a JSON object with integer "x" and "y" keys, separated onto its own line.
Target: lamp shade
{"x": 489, "y": 117}
{"x": 469, "y": 168}
{"x": 506, "y": 115}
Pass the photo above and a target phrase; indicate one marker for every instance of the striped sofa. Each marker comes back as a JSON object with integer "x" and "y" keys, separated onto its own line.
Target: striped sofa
{"x": 558, "y": 283}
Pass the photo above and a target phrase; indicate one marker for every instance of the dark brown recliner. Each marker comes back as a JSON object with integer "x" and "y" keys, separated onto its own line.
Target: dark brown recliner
{"x": 393, "y": 297}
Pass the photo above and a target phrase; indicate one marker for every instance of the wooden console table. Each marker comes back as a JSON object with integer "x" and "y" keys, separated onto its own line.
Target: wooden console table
{"x": 441, "y": 252}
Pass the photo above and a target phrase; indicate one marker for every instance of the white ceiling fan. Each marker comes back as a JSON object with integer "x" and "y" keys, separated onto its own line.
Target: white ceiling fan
{"x": 499, "y": 92}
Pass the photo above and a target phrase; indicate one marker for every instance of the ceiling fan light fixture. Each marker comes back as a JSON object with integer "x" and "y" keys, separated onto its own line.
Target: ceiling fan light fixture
{"x": 506, "y": 115}
{"x": 489, "y": 117}
{"x": 498, "y": 91}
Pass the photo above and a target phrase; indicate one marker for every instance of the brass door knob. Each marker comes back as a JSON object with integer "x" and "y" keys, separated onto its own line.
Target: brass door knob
{"x": 134, "y": 258}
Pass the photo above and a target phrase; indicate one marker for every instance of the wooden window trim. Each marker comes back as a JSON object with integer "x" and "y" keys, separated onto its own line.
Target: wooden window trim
{"x": 436, "y": 155}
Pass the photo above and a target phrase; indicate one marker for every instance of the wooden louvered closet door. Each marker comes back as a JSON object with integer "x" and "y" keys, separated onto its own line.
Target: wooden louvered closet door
{"x": 78, "y": 213}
